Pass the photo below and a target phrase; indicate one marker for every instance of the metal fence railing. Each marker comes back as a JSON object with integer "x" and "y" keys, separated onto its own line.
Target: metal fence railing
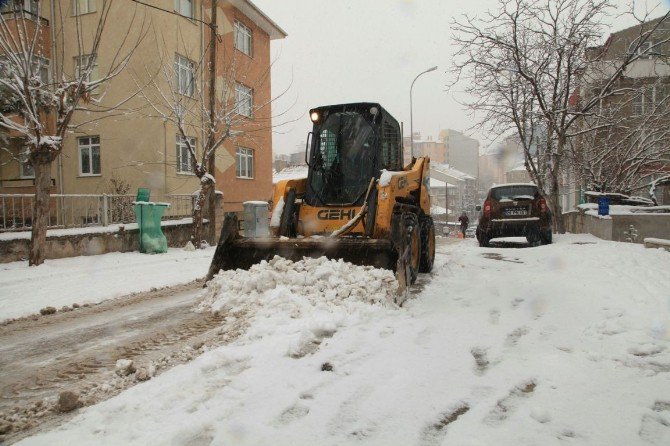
{"x": 77, "y": 210}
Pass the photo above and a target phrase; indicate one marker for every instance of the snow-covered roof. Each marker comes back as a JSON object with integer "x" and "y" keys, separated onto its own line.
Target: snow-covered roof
{"x": 512, "y": 184}
{"x": 434, "y": 182}
{"x": 290, "y": 173}
{"x": 448, "y": 170}
{"x": 518, "y": 168}
{"x": 259, "y": 18}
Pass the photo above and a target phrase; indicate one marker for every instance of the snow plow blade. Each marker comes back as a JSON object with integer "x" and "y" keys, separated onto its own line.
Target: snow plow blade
{"x": 234, "y": 251}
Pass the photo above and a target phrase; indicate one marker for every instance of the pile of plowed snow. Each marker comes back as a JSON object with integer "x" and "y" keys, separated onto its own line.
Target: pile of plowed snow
{"x": 307, "y": 300}
{"x": 309, "y": 281}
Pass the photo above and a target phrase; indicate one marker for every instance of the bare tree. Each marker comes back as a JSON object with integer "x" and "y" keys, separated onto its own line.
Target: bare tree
{"x": 522, "y": 67}
{"x": 630, "y": 141}
{"x": 226, "y": 110}
{"x": 626, "y": 139}
{"x": 38, "y": 102}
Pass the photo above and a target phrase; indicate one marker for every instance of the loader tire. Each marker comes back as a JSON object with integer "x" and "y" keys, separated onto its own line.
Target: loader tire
{"x": 414, "y": 243}
{"x": 287, "y": 223}
{"x": 427, "y": 244}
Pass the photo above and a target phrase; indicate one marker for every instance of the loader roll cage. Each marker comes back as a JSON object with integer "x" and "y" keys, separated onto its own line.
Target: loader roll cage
{"x": 350, "y": 144}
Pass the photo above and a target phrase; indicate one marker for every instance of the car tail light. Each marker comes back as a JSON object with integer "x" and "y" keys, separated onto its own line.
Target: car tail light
{"x": 543, "y": 205}
{"x": 487, "y": 208}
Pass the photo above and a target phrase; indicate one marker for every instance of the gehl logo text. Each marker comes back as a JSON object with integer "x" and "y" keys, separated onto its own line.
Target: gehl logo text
{"x": 336, "y": 214}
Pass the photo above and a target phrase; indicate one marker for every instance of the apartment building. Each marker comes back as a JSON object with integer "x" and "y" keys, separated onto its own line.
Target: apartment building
{"x": 134, "y": 144}
{"x": 632, "y": 144}
{"x": 461, "y": 151}
{"x": 424, "y": 147}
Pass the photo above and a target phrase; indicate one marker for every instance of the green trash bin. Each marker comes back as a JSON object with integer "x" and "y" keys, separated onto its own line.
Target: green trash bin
{"x": 148, "y": 216}
{"x": 143, "y": 194}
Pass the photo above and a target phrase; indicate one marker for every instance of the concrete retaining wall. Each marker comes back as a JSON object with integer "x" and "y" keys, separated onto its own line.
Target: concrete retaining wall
{"x": 88, "y": 244}
{"x": 95, "y": 242}
{"x": 614, "y": 227}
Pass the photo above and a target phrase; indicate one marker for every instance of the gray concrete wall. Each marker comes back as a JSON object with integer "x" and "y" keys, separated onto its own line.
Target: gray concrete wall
{"x": 600, "y": 227}
{"x": 614, "y": 228}
{"x": 92, "y": 243}
{"x": 650, "y": 225}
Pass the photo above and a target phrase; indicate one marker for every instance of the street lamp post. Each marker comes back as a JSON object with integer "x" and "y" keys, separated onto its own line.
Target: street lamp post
{"x": 411, "y": 121}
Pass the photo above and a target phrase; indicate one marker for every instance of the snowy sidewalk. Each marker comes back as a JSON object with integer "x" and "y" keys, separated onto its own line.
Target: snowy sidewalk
{"x": 93, "y": 279}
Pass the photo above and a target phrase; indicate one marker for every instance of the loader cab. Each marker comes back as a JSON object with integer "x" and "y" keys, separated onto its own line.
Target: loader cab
{"x": 349, "y": 145}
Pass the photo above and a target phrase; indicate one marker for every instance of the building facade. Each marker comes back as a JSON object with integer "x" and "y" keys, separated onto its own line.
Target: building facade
{"x": 631, "y": 146}
{"x": 461, "y": 151}
{"x": 135, "y": 145}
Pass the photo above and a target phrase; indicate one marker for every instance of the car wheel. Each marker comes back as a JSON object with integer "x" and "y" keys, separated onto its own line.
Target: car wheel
{"x": 484, "y": 240}
{"x": 534, "y": 238}
{"x": 546, "y": 237}
{"x": 427, "y": 245}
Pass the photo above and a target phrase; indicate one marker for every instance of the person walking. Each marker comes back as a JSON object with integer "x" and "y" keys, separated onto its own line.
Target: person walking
{"x": 464, "y": 222}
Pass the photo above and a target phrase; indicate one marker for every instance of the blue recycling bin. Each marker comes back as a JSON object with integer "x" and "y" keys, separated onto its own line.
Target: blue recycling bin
{"x": 603, "y": 206}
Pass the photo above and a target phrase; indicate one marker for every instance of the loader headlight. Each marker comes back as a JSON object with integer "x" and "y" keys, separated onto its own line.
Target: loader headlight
{"x": 314, "y": 116}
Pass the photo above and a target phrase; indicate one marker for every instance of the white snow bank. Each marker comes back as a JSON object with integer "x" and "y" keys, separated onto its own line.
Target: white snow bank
{"x": 93, "y": 279}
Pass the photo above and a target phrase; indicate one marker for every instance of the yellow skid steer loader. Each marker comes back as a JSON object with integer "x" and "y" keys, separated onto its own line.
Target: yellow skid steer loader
{"x": 358, "y": 203}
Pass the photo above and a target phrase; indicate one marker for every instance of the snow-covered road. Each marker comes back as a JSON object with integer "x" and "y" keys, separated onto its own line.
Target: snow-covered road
{"x": 547, "y": 345}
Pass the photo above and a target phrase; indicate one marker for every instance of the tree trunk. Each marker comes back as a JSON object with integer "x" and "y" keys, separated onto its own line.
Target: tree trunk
{"x": 198, "y": 233}
{"x": 211, "y": 216}
{"x": 555, "y": 203}
{"x": 40, "y": 212}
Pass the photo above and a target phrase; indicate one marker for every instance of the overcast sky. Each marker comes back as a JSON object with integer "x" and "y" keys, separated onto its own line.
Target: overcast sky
{"x": 355, "y": 51}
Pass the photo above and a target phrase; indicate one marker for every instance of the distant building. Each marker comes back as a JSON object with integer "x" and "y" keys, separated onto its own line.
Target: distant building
{"x": 460, "y": 190}
{"x": 290, "y": 173}
{"x": 425, "y": 147}
{"x": 497, "y": 160}
{"x": 648, "y": 80}
{"x": 460, "y": 151}
{"x": 518, "y": 174}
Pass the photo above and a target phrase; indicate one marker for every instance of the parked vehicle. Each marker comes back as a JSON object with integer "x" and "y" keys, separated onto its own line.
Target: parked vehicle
{"x": 470, "y": 232}
{"x": 512, "y": 210}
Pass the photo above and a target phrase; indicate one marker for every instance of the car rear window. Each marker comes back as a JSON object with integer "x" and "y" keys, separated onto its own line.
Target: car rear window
{"x": 513, "y": 193}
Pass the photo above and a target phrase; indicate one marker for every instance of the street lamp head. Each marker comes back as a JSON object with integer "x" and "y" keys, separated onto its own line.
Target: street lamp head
{"x": 411, "y": 120}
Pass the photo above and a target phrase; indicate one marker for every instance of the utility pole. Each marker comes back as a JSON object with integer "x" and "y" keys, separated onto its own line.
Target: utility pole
{"x": 212, "y": 114}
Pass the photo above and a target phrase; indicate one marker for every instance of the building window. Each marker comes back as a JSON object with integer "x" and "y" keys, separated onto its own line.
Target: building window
{"x": 243, "y": 38}
{"x": 89, "y": 155}
{"x": 245, "y": 163}
{"x": 185, "y": 73}
{"x": 29, "y": 6}
{"x": 86, "y": 68}
{"x": 243, "y": 100}
{"x": 184, "y": 7}
{"x": 184, "y": 164}
{"x": 661, "y": 93}
{"x": 26, "y": 169}
{"x": 644, "y": 50}
{"x": 646, "y": 98}
{"x": 83, "y": 6}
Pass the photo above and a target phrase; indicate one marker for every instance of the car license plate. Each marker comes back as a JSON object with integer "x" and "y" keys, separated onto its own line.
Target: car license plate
{"x": 515, "y": 212}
